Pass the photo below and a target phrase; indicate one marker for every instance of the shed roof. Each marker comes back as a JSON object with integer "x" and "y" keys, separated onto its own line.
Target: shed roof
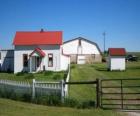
{"x": 38, "y": 38}
{"x": 117, "y": 51}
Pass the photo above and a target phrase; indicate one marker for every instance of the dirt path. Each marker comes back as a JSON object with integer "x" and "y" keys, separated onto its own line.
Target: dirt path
{"x": 132, "y": 113}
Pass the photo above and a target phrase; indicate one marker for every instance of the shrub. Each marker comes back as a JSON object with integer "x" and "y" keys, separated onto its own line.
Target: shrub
{"x": 103, "y": 59}
{"x": 57, "y": 76}
{"x": 87, "y": 104}
{"x": 65, "y": 76}
{"x": 54, "y": 100}
{"x": 20, "y": 73}
{"x": 73, "y": 66}
{"x": 69, "y": 102}
{"x": 27, "y": 97}
{"x": 29, "y": 76}
{"x": 47, "y": 73}
{"x": 51, "y": 100}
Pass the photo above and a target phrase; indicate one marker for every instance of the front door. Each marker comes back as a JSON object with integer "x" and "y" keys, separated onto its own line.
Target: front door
{"x": 36, "y": 61}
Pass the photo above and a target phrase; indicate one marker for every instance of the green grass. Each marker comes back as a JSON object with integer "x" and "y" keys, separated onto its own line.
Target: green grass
{"x": 14, "y": 108}
{"x": 98, "y": 70}
{"x": 42, "y": 76}
{"x": 80, "y": 92}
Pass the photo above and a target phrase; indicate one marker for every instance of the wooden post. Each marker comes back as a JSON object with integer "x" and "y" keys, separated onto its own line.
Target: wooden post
{"x": 33, "y": 89}
{"x": 121, "y": 95}
{"x": 62, "y": 91}
{"x": 97, "y": 93}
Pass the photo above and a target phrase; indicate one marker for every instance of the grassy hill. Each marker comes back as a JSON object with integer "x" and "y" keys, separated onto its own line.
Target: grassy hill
{"x": 14, "y": 108}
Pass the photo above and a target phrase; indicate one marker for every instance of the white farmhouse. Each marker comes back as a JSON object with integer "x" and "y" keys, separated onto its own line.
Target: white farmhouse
{"x": 82, "y": 51}
{"x": 37, "y": 51}
{"x": 7, "y": 60}
{"x": 116, "y": 59}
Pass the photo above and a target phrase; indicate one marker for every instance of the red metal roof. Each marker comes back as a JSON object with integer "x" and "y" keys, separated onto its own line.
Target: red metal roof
{"x": 117, "y": 51}
{"x": 38, "y": 38}
{"x": 39, "y": 52}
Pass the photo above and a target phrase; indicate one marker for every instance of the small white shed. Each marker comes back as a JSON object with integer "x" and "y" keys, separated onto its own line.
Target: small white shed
{"x": 116, "y": 59}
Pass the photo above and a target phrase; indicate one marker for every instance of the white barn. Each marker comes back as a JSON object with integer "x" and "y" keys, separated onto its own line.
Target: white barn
{"x": 7, "y": 60}
{"x": 37, "y": 51}
{"x": 82, "y": 51}
{"x": 116, "y": 59}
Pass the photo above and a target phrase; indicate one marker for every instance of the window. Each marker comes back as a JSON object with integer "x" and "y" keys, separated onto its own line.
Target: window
{"x": 38, "y": 61}
{"x": 25, "y": 60}
{"x": 50, "y": 60}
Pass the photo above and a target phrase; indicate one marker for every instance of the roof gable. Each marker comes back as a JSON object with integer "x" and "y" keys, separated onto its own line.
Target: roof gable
{"x": 81, "y": 38}
{"x": 39, "y": 52}
{"x": 117, "y": 51}
{"x": 38, "y": 38}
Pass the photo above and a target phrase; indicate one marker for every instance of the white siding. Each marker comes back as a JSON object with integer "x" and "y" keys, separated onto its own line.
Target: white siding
{"x": 86, "y": 48}
{"x": 70, "y": 47}
{"x": 53, "y": 49}
{"x": 65, "y": 61}
{"x": 116, "y": 63}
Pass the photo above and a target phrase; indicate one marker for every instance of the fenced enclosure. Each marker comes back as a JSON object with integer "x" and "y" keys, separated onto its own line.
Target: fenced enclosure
{"x": 10, "y": 88}
{"x": 88, "y": 103}
{"x": 35, "y": 89}
{"x": 121, "y": 94}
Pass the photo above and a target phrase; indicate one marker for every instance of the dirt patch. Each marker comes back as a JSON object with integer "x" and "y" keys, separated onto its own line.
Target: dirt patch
{"x": 133, "y": 113}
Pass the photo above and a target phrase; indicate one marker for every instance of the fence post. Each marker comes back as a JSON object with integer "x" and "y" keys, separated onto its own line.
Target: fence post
{"x": 97, "y": 93}
{"x": 33, "y": 89}
{"x": 62, "y": 91}
{"x": 121, "y": 94}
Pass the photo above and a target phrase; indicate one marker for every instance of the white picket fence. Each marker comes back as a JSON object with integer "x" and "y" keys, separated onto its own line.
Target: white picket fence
{"x": 37, "y": 87}
{"x": 66, "y": 86}
{"x": 34, "y": 88}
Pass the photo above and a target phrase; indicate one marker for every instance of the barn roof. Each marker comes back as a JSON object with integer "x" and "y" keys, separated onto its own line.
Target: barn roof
{"x": 117, "y": 51}
{"x": 81, "y": 38}
{"x": 38, "y": 38}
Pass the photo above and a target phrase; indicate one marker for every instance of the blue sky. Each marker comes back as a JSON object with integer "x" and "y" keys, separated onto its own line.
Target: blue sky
{"x": 120, "y": 19}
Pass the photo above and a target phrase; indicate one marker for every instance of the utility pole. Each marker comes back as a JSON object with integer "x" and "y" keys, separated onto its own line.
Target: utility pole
{"x": 104, "y": 34}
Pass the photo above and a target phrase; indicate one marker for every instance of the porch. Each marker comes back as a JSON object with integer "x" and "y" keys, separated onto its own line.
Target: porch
{"x": 37, "y": 60}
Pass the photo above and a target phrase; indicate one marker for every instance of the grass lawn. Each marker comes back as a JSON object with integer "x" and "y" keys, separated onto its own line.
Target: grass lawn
{"x": 14, "y": 108}
{"x": 79, "y": 92}
{"x": 98, "y": 70}
{"x": 42, "y": 76}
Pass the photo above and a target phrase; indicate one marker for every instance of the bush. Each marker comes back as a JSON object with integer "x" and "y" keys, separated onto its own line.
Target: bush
{"x": 20, "y": 73}
{"x": 69, "y": 102}
{"x": 103, "y": 59}
{"x": 27, "y": 97}
{"x": 51, "y": 100}
{"x": 57, "y": 76}
{"x": 47, "y": 73}
{"x": 87, "y": 104}
{"x": 29, "y": 76}
{"x": 73, "y": 66}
